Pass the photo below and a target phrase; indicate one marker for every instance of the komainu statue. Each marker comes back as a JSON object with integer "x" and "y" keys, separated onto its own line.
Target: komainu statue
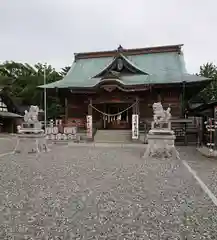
{"x": 161, "y": 116}
{"x": 161, "y": 140}
{"x": 31, "y": 116}
{"x": 31, "y": 137}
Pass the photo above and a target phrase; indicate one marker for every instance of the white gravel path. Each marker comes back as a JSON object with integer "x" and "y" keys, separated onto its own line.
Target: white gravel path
{"x": 101, "y": 193}
{"x": 7, "y": 144}
{"x": 206, "y": 168}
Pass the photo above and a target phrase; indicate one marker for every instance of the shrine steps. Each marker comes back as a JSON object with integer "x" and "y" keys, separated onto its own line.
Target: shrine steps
{"x": 113, "y": 136}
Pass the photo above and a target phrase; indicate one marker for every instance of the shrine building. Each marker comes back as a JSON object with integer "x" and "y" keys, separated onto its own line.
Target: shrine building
{"x": 113, "y": 89}
{"x": 10, "y": 116}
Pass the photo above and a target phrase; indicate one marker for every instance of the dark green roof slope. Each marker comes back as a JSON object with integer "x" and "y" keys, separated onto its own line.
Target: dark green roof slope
{"x": 163, "y": 67}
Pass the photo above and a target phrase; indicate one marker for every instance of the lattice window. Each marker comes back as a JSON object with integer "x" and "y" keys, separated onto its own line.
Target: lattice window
{"x": 3, "y": 107}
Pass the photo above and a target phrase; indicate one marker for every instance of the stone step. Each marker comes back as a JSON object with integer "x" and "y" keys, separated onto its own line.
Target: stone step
{"x": 113, "y": 136}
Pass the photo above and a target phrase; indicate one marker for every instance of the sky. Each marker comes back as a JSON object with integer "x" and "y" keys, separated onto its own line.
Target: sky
{"x": 52, "y": 30}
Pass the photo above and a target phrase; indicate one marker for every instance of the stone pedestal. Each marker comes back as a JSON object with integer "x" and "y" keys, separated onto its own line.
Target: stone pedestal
{"x": 161, "y": 144}
{"x": 31, "y": 143}
{"x": 31, "y": 137}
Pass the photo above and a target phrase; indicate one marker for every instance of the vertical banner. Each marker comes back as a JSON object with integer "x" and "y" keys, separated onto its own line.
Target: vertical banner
{"x": 135, "y": 126}
{"x": 89, "y": 126}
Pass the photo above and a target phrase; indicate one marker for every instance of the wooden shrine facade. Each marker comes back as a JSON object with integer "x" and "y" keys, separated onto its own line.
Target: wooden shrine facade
{"x": 102, "y": 105}
{"x": 116, "y": 89}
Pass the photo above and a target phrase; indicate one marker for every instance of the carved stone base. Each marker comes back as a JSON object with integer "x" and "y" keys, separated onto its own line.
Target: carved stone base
{"x": 162, "y": 125}
{"x": 161, "y": 144}
{"x": 31, "y": 143}
{"x": 31, "y": 130}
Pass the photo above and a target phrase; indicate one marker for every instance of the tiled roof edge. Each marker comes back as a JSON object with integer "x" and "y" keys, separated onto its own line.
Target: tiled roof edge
{"x": 132, "y": 51}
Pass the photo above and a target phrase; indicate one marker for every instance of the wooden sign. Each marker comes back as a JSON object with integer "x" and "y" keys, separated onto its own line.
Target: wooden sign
{"x": 89, "y": 126}
{"x": 135, "y": 126}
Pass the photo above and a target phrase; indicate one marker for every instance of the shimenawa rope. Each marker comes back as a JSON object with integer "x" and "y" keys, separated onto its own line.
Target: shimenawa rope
{"x": 112, "y": 115}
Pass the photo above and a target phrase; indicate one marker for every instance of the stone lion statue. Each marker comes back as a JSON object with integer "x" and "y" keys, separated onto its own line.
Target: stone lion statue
{"x": 31, "y": 116}
{"x": 160, "y": 115}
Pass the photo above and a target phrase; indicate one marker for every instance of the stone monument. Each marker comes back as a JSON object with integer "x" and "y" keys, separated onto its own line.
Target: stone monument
{"x": 31, "y": 136}
{"x": 161, "y": 139}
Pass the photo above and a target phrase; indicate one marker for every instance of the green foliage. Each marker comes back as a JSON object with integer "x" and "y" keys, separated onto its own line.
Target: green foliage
{"x": 55, "y": 108}
{"x": 20, "y": 81}
{"x": 64, "y": 71}
{"x": 209, "y": 93}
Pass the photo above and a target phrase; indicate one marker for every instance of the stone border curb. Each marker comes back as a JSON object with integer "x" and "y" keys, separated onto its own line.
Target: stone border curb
{"x": 206, "y": 152}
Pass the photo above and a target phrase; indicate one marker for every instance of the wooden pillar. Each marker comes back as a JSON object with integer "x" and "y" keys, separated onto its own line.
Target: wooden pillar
{"x": 183, "y": 96}
{"x": 137, "y": 105}
{"x": 104, "y": 119}
{"x": 56, "y": 99}
{"x": 134, "y": 109}
{"x": 12, "y": 125}
{"x": 159, "y": 99}
{"x": 66, "y": 110}
{"x": 90, "y": 110}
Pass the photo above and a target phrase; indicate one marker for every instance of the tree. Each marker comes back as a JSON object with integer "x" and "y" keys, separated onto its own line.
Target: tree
{"x": 21, "y": 82}
{"x": 209, "y": 93}
{"x": 64, "y": 71}
{"x": 208, "y": 70}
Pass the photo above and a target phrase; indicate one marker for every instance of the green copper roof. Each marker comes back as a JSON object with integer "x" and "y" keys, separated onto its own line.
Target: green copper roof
{"x": 125, "y": 60}
{"x": 168, "y": 67}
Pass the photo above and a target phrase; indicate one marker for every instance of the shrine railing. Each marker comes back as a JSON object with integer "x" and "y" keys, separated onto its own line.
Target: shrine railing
{"x": 188, "y": 131}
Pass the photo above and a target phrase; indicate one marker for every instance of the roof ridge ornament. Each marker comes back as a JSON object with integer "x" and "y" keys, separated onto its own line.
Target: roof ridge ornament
{"x": 111, "y": 74}
{"x": 120, "y": 64}
{"x": 120, "y": 48}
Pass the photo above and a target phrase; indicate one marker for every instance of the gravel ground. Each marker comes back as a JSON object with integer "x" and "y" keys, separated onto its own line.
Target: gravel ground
{"x": 7, "y": 143}
{"x": 206, "y": 168}
{"x": 101, "y": 193}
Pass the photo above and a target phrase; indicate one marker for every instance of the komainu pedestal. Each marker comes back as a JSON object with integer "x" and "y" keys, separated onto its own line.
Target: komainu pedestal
{"x": 32, "y": 143}
{"x": 31, "y": 136}
{"x": 161, "y": 139}
{"x": 161, "y": 144}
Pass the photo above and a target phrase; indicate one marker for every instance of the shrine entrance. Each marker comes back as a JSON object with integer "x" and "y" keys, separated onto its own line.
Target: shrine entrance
{"x": 114, "y": 115}
{"x": 119, "y": 116}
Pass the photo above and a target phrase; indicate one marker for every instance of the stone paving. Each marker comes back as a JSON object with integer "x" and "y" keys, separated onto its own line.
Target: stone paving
{"x": 101, "y": 193}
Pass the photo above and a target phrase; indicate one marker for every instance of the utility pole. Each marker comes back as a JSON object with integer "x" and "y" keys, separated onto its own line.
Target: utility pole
{"x": 45, "y": 100}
